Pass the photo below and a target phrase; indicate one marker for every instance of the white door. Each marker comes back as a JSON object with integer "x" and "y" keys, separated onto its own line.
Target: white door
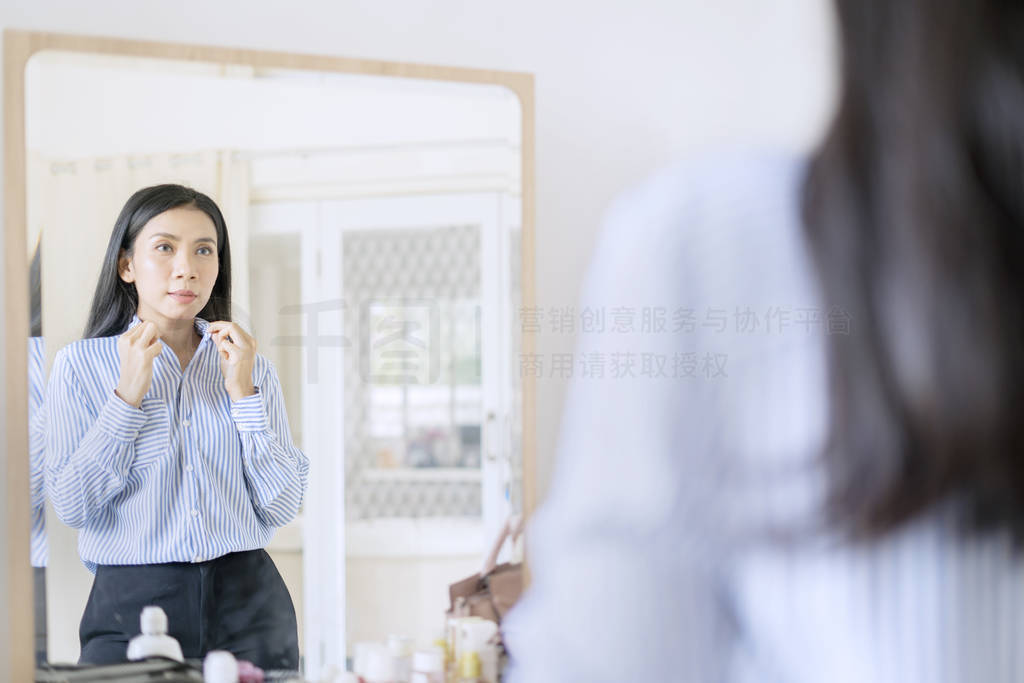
{"x": 407, "y": 322}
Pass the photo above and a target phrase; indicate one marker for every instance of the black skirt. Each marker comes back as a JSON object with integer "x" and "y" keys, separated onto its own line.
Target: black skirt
{"x": 237, "y": 602}
{"x": 39, "y": 595}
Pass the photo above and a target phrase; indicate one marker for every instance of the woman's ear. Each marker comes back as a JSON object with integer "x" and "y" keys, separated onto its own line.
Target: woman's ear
{"x": 124, "y": 267}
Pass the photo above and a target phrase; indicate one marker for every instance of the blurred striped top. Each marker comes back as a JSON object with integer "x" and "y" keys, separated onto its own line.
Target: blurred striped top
{"x": 680, "y": 539}
{"x": 189, "y": 476}
{"x": 36, "y": 443}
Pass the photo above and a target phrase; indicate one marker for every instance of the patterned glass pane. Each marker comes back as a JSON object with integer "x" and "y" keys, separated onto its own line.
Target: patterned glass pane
{"x": 413, "y": 394}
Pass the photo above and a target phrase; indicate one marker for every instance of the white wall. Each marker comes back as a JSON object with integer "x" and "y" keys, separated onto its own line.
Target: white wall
{"x": 621, "y": 87}
{"x": 95, "y": 107}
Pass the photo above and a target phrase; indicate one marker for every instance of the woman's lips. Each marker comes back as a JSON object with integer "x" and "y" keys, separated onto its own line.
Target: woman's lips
{"x": 183, "y": 298}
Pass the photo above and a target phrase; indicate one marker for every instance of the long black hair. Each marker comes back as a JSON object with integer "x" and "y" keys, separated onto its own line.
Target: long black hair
{"x": 116, "y": 301}
{"x": 914, "y": 213}
{"x": 35, "y": 292}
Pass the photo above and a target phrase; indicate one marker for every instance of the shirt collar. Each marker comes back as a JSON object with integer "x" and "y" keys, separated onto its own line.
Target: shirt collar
{"x": 200, "y": 324}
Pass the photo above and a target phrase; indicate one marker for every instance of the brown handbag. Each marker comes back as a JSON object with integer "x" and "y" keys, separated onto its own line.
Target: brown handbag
{"x": 490, "y": 595}
{"x": 491, "y": 592}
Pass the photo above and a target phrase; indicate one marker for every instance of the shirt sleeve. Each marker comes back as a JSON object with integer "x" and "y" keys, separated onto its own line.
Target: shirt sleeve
{"x": 623, "y": 554}
{"x": 36, "y": 441}
{"x": 36, "y": 446}
{"x": 275, "y": 469}
{"x": 88, "y": 451}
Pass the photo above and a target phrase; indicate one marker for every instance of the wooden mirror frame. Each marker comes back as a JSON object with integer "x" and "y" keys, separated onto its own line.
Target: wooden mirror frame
{"x": 17, "y": 633}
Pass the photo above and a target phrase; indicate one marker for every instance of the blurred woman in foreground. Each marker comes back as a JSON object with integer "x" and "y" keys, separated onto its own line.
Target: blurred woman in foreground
{"x": 825, "y": 480}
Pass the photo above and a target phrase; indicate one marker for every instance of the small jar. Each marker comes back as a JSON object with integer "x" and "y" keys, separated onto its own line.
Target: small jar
{"x": 428, "y": 667}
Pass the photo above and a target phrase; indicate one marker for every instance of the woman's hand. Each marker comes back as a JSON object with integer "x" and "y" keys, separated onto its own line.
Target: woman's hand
{"x": 137, "y": 348}
{"x": 237, "y": 350}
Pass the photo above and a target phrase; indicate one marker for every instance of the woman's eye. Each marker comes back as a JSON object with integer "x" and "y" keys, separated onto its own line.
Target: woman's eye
{"x": 160, "y": 247}
{"x": 205, "y": 251}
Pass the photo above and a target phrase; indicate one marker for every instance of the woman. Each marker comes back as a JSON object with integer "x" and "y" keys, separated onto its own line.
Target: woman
{"x": 36, "y": 445}
{"x": 168, "y": 445}
{"x": 839, "y": 496}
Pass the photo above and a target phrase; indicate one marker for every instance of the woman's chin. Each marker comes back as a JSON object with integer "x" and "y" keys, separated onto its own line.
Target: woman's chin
{"x": 178, "y": 312}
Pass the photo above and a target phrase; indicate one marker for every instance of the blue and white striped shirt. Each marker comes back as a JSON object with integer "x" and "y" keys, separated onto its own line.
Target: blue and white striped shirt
{"x": 189, "y": 476}
{"x": 36, "y": 444}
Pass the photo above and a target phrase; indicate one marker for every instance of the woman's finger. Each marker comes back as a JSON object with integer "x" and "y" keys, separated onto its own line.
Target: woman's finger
{"x": 223, "y": 351}
{"x": 234, "y": 350}
{"x": 153, "y": 351}
{"x": 229, "y": 348}
{"x": 239, "y": 336}
{"x": 147, "y": 338}
{"x": 217, "y": 328}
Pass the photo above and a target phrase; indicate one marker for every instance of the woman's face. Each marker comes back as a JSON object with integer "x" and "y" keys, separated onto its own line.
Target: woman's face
{"x": 173, "y": 265}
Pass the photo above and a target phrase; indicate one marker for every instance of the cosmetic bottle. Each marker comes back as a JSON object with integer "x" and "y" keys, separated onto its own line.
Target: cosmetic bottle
{"x": 469, "y": 668}
{"x": 154, "y": 641}
{"x": 428, "y": 666}
{"x": 220, "y": 666}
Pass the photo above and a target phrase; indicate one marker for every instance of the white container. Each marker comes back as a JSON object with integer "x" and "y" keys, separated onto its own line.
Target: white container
{"x": 478, "y": 635}
{"x": 361, "y": 656}
{"x": 400, "y": 649}
{"x": 380, "y": 666}
{"x": 154, "y": 641}
{"x": 458, "y": 635}
{"x": 220, "y": 666}
{"x": 428, "y": 666}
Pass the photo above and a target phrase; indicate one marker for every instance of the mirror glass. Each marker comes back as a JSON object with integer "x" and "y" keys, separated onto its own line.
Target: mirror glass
{"x": 375, "y": 237}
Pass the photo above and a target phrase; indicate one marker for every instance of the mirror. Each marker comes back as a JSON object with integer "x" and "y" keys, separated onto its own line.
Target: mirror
{"x": 377, "y": 226}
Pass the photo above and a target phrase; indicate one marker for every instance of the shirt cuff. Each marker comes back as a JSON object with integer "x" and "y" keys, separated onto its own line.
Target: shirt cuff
{"x": 249, "y": 414}
{"x": 120, "y": 420}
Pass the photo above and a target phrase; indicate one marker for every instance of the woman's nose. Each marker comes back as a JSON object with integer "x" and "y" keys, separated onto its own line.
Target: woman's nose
{"x": 184, "y": 265}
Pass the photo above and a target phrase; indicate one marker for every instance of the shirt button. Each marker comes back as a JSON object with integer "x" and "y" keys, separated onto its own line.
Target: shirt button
{"x": 195, "y": 512}
{"x": 188, "y": 468}
{"x": 195, "y": 559}
{"x": 185, "y": 423}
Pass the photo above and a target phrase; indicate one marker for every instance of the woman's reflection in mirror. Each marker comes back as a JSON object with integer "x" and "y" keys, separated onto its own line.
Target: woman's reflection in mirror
{"x": 168, "y": 445}
{"x": 36, "y": 441}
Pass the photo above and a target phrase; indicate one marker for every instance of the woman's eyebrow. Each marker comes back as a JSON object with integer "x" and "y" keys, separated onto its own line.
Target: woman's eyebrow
{"x": 174, "y": 238}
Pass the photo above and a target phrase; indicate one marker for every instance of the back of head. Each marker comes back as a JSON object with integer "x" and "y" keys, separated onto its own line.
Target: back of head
{"x": 914, "y": 211}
